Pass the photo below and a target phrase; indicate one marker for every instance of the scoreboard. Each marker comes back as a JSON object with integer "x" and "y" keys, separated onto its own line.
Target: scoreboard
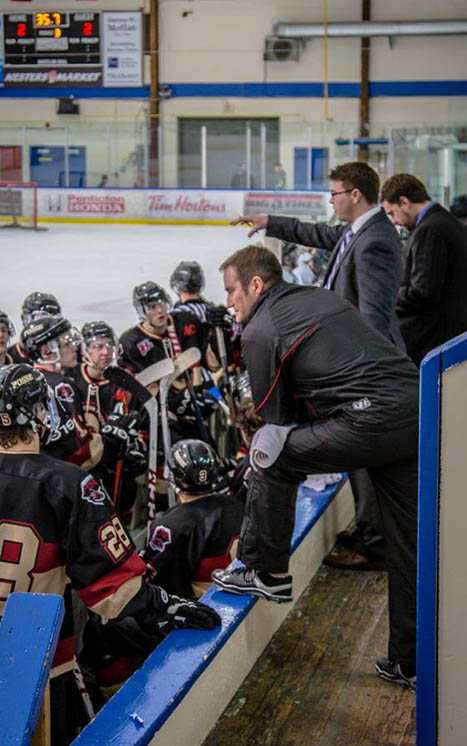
{"x": 52, "y": 38}
{"x": 54, "y": 47}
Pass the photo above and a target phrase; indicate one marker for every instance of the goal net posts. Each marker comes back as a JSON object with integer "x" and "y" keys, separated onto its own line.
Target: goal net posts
{"x": 18, "y": 205}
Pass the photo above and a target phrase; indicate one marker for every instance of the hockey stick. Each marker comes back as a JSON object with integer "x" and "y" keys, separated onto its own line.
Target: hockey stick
{"x": 126, "y": 381}
{"x": 180, "y": 364}
{"x": 232, "y": 442}
{"x": 223, "y": 355}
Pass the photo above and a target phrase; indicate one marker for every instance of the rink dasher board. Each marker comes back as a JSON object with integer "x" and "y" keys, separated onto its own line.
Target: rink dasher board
{"x": 187, "y": 682}
{"x": 173, "y": 205}
{"x": 442, "y": 591}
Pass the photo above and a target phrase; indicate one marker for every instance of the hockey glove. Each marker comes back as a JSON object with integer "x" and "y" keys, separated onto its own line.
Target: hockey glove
{"x": 182, "y": 403}
{"x": 122, "y": 430}
{"x": 219, "y": 316}
{"x": 178, "y": 613}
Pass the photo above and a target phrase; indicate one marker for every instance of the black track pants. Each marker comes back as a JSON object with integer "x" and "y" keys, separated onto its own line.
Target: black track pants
{"x": 337, "y": 445}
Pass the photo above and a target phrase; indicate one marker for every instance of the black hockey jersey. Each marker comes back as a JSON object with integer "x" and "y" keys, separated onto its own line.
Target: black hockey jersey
{"x": 18, "y": 354}
{"x": 139, "y": 348}
{"x": 191, "y": 540}
{"x": 58, "y": 525}
{"x": 72, "y": 441}
{"x": 98, "y": 396}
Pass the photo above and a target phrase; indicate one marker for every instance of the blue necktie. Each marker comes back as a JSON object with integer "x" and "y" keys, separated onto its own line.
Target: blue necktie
{"x": 348, "y": 235}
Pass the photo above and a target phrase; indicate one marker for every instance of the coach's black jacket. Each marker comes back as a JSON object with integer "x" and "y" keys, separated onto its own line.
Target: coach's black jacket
{"x": 309, "y": 353}
{"x": 432, "y": 300}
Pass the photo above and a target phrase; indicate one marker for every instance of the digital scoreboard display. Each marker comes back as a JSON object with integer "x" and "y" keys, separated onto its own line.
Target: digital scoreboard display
{"x": 52, "y": 38}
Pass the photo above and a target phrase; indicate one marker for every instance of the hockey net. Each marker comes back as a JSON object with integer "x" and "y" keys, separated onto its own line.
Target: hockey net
{"x": 18, "y": 205}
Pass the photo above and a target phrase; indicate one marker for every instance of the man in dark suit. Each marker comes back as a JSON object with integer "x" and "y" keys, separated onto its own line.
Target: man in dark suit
{"x": 432, "y": 299}
{"x": 365, "y": 268}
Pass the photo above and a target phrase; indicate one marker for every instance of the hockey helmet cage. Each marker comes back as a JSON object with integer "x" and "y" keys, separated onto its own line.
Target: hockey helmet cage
{"x": 39, "y": 304}
{"x": 26, "y": 398}
{"x": 4, "y": 319}
{"x": 187, "y": 277}
{"x": 146, "y": 293}
{"x": 40, "y": 332}
{"x": 194, "y": 466}
{"x": 93, "y": 330}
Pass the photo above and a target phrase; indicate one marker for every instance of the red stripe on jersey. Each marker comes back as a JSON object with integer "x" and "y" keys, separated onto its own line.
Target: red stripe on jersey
{"x": 283, "y": 359}
{"x": 64, "y": 652}
{"x": 110, "y": 583}
{"x": 81, "y": 455}
{"x": 48, "y": 557}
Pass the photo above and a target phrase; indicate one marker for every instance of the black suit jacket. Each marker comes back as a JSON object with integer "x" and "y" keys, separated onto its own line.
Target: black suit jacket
{"x": 432, "y": 300}
{"x": 369, "y": 274}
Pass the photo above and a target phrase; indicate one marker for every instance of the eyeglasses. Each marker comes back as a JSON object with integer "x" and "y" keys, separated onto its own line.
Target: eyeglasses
{"x": 343, "y": 191}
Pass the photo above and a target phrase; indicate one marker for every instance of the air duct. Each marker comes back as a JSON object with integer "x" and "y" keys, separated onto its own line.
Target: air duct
{"x": 370, "y": 28}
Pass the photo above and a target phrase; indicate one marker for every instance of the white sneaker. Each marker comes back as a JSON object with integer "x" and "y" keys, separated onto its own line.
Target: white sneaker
{"x": 244, "y": 580}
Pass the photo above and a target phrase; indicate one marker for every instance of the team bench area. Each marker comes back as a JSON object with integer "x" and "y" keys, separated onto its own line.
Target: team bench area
{"x": 175, "y": 698}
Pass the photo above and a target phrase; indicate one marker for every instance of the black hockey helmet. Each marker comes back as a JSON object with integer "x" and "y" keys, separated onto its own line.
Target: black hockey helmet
{"x": 4, "y": 319}
{"x": 25, "y": 398}
{"x": 93, "y": 330}
{"x": 146, "y": 293}
{"x": 458, "y": 206}
{"x": 41, "y": 332}
{"x": 37, "y": 304}
{"x": 194, "y": 465}
{"x": 187, "y": 277}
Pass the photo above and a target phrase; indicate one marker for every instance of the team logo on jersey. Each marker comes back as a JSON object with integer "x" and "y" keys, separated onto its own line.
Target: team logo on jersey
{"x": 361, "y": 403}
{"x": 145, "y": 346}
{"x": 160, "y": 539}
{"x": 92, "y": 492}
{"x": 64, "y": 392}
{"x": 189, "y": 330}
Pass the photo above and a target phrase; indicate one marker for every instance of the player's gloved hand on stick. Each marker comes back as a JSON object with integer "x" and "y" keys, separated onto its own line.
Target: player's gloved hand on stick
{"x": 178, "y": 613}
{"x": 122, "y": 430}
{"x": 219, "y": 316}
{"x": 182, "y": 403}
{"x": 207, "y": 402}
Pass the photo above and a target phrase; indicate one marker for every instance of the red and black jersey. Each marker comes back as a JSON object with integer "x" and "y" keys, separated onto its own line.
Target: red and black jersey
{"x": 98, "y": 396}
{"x": 139, "y": 349}
{"x": 73, "y": 440}
{"x": 57, "y": 525}
{"x": 191, "y": 540}
{"x": 18, "y": 354}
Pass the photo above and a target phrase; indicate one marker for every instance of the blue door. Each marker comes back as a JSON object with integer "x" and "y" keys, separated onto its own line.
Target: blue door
{"x": 47, "y": 166}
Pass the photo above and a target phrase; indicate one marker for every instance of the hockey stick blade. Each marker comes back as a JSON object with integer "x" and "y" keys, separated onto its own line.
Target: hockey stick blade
{"x": 130, "y": 383}
{"x": 126, "y": 381}
{"x": 155, "y": 372}
{"x": 184, "y": 361}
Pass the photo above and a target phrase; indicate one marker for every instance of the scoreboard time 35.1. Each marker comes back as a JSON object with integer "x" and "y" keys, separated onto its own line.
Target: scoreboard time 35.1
{"x": 52, "y": 38}
{"x": 56, "y": 48}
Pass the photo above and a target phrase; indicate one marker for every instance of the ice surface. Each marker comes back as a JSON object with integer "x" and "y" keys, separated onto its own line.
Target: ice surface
{"x": 92, "y": 269}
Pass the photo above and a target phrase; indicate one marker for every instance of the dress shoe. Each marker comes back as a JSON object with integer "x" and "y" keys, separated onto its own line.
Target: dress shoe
{"x": 353, "y": 561}
{"x": 348, "y": 539}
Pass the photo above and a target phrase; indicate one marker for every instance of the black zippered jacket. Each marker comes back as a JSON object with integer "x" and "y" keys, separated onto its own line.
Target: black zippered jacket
{"x": 310, "y": 355}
